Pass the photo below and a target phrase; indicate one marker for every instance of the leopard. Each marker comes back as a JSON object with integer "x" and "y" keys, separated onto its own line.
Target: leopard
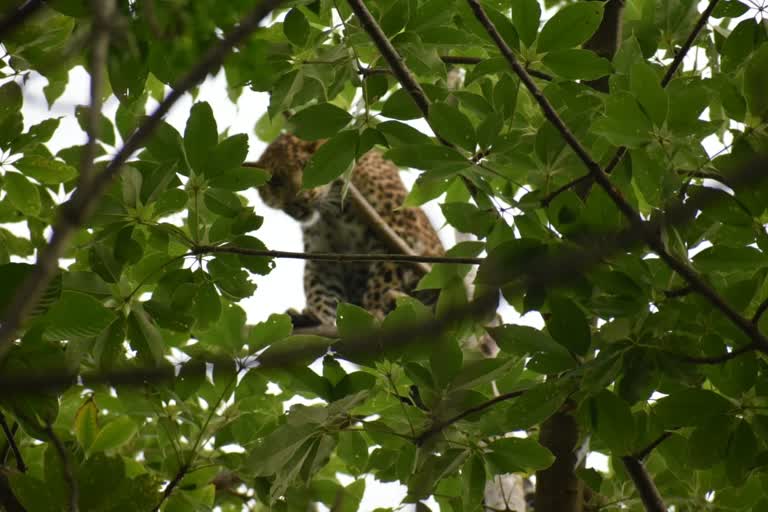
{"x": 330, "y": 223}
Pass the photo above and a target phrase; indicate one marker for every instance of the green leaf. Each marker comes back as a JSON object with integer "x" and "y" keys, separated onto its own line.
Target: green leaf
{"x": 331, "y": 160}
{"x": 571, "y": 26}
{"x": 625, "y": 124}
{"x": 613, "y": 422}
{"x": 106, "y": 130}
{"x": 526, "y": 341}
{"x": 12, "y": 275}
{"x": 22, "y": 194}
{"x": 273, "y": 329}
{"x": 86, "y": 424}
{"x": 473, "y": 483}
{"x": 452, "y": 125}
{"x": 525, "y": 16}
{"x": 353, "y": 450}
{"x": 319, "y": 121}
{"x": 114, "y": 435}
{"x": 516, "y": 455}
{"x": 165, "y": 144}
{"x": 233, "y": 282}
{"x": 353, "y": 321}
{"x": 76, "y": 316}
{"x": 277, "y": 449}
{"x": 690, "y": 407}
{"x": 296, "y": 27}
{"x": 46, "y": 170}
{"x": 443, "y": 273}
{"x": 755, "y": 78}
{"x": 577, "y": 64}
{"x": 538, "y": 403}
{"x": 400, "y": 105}
{"x": 207, "y": 308}
{"x": 438, "y": 159}
{"x": 468, "y": 218}
{"x": 295, "y": 350}
{"x": 646, "y": 86}
{"x": 222, "y": 202}
{"x": 568, "y": 325}
{"x": 11, "y": 99}
{"x": 145, "y": 337}
{"x": 201, "y": 136}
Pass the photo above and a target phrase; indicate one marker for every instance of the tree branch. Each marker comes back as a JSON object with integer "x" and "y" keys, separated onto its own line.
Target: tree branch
{"x": 712, "y": 360}
{"x": 168, "y": 490}
{"x": 649, "y": 495}
{"x": 19, "y": 16}
{"x": 334, "y": 257}
{"x": 673, "y": 67}
{"x": 759, "y": 312}
{"x": 66, "y": 465}
{"x": 439, "y": 427}
{"x": 642, "y": 454}
{"x": 74, "y": 212}
{"x": 103, "y": 11}
{"x": 12, "y": 445}
{"x": 401, "y": 72}
{"x": 636, "y": 222}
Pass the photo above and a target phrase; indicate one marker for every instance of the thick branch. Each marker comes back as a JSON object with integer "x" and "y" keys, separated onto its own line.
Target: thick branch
{"x": 649, "y": 495}
{"x": 74, "y": 212}
{"x": 66, "y": 466}
{"x": 12, "y": 445}
{"x": 602, "y": 179}
{"x": 439, "y": 427}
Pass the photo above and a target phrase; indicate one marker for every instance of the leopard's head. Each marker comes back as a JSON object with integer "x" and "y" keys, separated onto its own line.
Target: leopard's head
{"x": 284, "y": 159}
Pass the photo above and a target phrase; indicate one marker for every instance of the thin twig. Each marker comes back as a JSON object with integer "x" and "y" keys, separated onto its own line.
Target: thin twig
{"x": 645, "y": 452}
{"x": 67, "y": 470}
{"x": 673, "y": 67}
{"x": 103, "y": 10}
{"x": 712, "y": 360}
{"x": 678, "y": 60}
{"x": 439, "y": 427}
{"x": 74, "y": 212}
{"x": 334, "y": 257}
{"x": 19, "y": 16}
{"x": 759, "y": 312}
{"x": 9, "y": 435}
{"x": 636, "y": 222}
{"x": 647, "y": 490}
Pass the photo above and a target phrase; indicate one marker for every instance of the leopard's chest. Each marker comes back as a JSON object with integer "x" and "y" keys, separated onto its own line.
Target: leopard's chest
{"x": 341, "y": 232}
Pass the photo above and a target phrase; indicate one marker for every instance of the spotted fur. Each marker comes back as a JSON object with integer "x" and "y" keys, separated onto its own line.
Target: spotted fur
{"x": 332, "y": 225}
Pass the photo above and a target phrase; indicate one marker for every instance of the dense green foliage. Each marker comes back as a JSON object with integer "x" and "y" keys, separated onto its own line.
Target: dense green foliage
{"x": 136, "y": 286}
